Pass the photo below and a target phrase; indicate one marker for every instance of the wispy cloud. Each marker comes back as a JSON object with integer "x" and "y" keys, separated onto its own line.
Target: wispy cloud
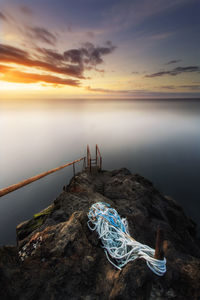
{"x": 26, "y": 10}
{"x": 144, "y": 93}
{"x": 173, "y": 61}
{"x": 168, "y": 87}
{"x": 25, "y": 77}
{"x": 191, "y": 86}
{"x": 101, "y": 90}
{"x": 42, "y": 35}
{"x": 3, "y": 16}
{"x": 159, "y": 36}
{"x": 175, "y": 71}
{"x": 127, "y": 13}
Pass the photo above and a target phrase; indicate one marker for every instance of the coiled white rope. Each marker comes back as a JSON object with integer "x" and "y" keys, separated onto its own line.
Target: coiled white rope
{"x": 117, "y": 242}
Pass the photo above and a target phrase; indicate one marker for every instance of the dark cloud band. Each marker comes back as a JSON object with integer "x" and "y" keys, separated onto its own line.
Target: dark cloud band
{"x": 175, "y": 71}
{"x": 175, "y": 61}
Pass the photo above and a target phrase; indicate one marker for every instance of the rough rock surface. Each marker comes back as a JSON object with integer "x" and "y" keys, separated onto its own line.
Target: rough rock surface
{"x": 58, "y": 257}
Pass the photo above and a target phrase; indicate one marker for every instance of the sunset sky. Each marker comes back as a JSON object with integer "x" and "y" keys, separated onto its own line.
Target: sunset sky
{"x": 99, "y": 48}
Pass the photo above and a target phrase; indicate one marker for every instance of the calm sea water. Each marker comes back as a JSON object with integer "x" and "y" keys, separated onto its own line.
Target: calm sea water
{"x": 158, "y": 139}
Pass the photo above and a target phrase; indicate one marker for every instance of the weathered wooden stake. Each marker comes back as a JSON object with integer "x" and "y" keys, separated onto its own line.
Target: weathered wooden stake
{"x": 159, "y": 253}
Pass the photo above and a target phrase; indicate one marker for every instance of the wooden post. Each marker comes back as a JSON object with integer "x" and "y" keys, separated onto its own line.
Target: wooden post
{"x": 159, "y": 254}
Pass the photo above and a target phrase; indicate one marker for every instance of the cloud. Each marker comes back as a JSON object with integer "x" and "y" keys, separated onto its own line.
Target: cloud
{"x": 173, "y": 61}
{"x": 26, "y": 10}
{"x": 159, "y": 36}
{"x": 100, "y": 90}
{"x": 50, "y": 55}
{"x": 191, "y": 86}
{"x": 145, "y": 94}
{"x": 175, "y": 71}
{"x": 169, "y": 87}
{"x": 118, "y": 92}
{"x": 89, "y": 54}
{"x": 23, "y": 77}
{"x": 42, "y": 35}
{"x": 4, "y": 69}
{"x": 3, "y": 17}
{"x": 71, "y": 63}
{"x": 9, "y": 54}
{"x": 128, "y": 13}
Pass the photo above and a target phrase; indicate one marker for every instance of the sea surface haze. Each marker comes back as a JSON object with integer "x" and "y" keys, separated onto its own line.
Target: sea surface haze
{"x": 159, "y": 139}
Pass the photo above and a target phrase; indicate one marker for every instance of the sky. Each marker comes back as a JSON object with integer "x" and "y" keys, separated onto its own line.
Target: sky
{"x": 99, "y": 49}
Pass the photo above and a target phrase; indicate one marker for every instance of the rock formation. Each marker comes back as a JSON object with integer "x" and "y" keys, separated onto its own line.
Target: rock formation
{"x": 58, "y": 257}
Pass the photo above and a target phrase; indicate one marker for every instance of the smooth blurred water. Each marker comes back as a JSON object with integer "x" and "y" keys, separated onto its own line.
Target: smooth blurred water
{"x": 158, "y": 139}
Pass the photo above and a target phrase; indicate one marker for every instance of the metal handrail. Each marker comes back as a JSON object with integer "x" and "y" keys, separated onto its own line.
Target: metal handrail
{"x": 20, "y": 184}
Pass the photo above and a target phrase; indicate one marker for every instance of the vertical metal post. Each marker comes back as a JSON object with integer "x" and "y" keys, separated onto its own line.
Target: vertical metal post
{"x": 84, "y": 163}
{"x": 87, "y": 156}
{"x": 96, "y": 154}
{"x": 74, "y": 169}
{"x": 159, "y": 253}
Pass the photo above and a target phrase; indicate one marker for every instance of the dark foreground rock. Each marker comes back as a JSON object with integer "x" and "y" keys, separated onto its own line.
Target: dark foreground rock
{"x": 58, "y": 257}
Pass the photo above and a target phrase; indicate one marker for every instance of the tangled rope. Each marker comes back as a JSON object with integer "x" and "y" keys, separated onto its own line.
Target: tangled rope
{"x": 119, "y": 246}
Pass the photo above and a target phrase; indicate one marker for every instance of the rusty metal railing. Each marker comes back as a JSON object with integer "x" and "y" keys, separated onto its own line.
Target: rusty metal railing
{"x": 96, "y": 162}
{"x": 20, "y": 184}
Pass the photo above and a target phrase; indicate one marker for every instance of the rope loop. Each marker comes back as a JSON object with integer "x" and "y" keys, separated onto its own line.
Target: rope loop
{"x": 119, "y": 246}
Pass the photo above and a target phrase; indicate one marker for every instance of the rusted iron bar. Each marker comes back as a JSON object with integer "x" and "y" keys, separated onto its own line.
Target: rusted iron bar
{"x": 74, "y": 169}
{"x": 88, "y": 157}
{"x": 84, "y": 163}
{"x": 100, "y": 167}
{"x": 98, "y": 154}
{"x": 159, "y": 253}
{"x": 18, "y": 185}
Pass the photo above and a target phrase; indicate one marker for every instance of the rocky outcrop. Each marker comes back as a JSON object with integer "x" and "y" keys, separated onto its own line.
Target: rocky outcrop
{"x": 58, "y": 257}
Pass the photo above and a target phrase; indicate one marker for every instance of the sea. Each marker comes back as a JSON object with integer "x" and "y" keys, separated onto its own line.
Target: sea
{"x": 157, "y": 138}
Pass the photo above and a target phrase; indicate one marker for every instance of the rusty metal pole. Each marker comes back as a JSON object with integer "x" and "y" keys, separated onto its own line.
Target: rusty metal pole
{"x": 74, "y": 169}
{"x": 87, "y": 156}
{"x": 96, "y": 155}
{"x": 84, "y": 163}
{"x": 159, "y": 253}
{"x": 100, "y": 163}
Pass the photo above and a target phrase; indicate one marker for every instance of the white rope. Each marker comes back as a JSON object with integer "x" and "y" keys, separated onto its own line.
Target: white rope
{"x": 117, "y": 242}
